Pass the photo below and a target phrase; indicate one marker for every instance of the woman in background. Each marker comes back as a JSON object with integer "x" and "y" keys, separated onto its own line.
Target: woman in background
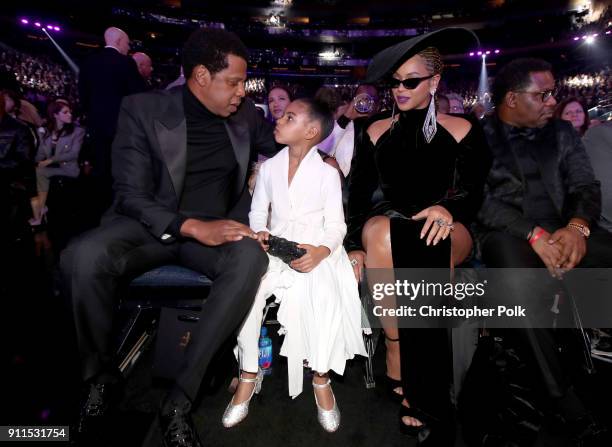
{"x": 58, "y": 154}
{"x": 573, "y": 110}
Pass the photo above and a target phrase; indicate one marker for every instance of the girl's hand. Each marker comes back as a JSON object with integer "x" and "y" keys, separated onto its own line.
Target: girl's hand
{"x": 262, "y": 238}
{"x": 312, "y": 258}
{"x": 438, "y": 223}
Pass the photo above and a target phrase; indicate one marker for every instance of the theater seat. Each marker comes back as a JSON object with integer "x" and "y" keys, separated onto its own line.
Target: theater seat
{"x": 172, "y": 289}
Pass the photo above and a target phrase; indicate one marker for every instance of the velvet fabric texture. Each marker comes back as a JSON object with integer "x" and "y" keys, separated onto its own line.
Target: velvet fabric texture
{"x": 414, "y": 175}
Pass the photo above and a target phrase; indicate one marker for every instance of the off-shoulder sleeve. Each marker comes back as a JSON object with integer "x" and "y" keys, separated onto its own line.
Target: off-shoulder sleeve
{"x": 363, "y": 181}
{"x": 472, "y": 167}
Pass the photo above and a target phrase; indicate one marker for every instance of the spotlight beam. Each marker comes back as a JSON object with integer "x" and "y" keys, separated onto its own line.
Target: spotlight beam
{"x": 70, "y": 62}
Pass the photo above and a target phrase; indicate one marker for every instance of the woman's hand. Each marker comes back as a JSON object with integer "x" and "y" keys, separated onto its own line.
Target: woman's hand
{"x": 438, "y": 224}
{"x": 262, "y": 238}
{"x": 312, "y": 258}
{"x": 357, "y": 258}
{"x": 44, "y": 163}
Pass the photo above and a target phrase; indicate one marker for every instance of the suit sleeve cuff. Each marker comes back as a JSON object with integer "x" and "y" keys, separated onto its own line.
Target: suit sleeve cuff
{"x": 174, "y": 229}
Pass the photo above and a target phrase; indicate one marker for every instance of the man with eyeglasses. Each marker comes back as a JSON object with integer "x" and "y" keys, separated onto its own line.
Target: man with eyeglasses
{"x": 541, "y": 206}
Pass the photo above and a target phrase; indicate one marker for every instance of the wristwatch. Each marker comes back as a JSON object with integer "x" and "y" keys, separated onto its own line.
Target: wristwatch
{"x": 583, "y": 229}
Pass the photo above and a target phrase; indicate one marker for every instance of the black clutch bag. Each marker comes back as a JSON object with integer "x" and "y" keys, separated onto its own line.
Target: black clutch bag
{"x": 284, "y": 249}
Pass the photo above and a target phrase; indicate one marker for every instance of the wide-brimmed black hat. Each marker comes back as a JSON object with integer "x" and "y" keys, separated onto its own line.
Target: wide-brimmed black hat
{"x": 446, "y": 40}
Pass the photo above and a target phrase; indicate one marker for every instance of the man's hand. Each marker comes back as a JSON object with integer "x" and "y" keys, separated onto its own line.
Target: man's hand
{"x": 550, "y": 254}
{"x": 357, "y": 258}
{"x": 312, "y": 258}
{"x": 573, "y": 247}
{"x": 262, "y": 238}
{"x": 216, "y": 232}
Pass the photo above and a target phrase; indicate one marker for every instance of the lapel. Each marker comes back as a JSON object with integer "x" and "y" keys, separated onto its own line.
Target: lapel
{"x": 304, "y": 177}
{"x": 238, "y": 131}
{"x": 546, "y": 154}
{"x": 502, "y": 151}
{"x": 171, "y": 131}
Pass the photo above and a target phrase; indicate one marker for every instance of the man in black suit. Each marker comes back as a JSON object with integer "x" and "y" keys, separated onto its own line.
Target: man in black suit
{"x": 104, "y": 79}
{"x": 180, "y": 162}
{"x": 540, "y": 211}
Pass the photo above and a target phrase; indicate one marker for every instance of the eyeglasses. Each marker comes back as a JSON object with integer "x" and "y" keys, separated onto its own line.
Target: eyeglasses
{"x": 409, "y": 84}
{"x": 545, "y": 95}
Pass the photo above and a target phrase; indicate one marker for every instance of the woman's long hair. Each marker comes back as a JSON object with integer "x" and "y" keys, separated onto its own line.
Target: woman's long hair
{"x": 53, "y": 109}
{"x": 563, "y": 104}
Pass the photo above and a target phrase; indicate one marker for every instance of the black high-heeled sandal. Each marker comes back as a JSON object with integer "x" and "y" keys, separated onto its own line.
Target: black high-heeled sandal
{"x": 419, "y": 431}
{"x": 392, "y": 384}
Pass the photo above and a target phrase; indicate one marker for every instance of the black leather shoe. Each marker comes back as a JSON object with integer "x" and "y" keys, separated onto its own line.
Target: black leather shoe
{"x": 177, "y": 427}
{"x": 99, "y": 399}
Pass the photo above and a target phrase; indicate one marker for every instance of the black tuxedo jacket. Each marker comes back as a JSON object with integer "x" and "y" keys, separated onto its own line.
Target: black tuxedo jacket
{"x": 566, "y": 173}
{"x": 104, "y": 79}
{"x": 150, "y": 156}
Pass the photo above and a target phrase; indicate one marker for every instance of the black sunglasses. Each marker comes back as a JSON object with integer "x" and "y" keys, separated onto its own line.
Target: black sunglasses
{"x": 409, "y": 84}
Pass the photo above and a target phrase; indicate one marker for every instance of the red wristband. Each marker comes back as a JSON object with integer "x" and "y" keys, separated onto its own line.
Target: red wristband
{"x": 536, "y": 236}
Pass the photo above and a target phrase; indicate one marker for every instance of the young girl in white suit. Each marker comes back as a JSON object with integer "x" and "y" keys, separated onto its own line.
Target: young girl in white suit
{"x": 320, "y": 310}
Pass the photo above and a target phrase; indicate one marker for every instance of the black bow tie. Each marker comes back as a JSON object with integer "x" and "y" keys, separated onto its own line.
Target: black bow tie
{"x": 529, "y": 133}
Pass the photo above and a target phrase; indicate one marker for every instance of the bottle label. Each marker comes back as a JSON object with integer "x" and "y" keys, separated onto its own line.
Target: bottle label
{"x": 265, "y": 357}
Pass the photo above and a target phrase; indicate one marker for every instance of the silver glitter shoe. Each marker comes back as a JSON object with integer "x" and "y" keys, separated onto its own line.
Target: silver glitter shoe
{"x": 234, "y": 414}
{"x": 329, "y": 419}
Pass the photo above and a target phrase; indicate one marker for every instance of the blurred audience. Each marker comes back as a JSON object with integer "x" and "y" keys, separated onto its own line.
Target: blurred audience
{"x": 443, "y": 103}
{"x": 455, "y": 102}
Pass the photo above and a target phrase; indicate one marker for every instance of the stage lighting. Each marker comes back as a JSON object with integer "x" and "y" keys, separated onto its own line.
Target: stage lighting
{"x": 576, "y": 38}
{"x": 479, "y": 53}
{"x": 488, "y": 52}
{"x": 590, "y": 39}
{"x": 56, "y": 28}
{"x": 49, "y": 26}
{"x": 37, "y": 24}
{"x": 496, "y": 51}
{"x": 25, "y": 21}
{"x": 472, "y": 53}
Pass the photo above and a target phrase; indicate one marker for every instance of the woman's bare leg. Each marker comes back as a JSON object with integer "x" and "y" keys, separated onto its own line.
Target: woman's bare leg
{"x": 376, "y": 238}
{"x": 377, "y": 243}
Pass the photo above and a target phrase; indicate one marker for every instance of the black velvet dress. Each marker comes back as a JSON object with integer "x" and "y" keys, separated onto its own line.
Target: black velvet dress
{"x": 413, "y": 175}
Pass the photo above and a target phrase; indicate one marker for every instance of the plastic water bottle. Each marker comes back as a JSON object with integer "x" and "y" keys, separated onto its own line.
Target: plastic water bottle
{"x": 265, "y": 351}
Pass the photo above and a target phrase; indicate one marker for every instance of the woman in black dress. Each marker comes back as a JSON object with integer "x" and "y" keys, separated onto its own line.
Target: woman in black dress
{"x": 431, "y": 169}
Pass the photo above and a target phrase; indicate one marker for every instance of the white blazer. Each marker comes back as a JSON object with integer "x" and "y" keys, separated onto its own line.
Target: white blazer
{"x": 299, "y": 212}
